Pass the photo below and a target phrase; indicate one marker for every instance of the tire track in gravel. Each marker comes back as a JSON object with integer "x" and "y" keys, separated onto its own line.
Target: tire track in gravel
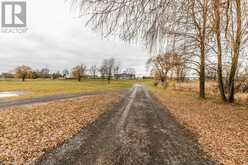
{"x": 138, "y": 131}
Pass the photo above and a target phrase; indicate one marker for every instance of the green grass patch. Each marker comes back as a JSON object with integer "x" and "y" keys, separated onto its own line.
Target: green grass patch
{"x": 39, "y": 88}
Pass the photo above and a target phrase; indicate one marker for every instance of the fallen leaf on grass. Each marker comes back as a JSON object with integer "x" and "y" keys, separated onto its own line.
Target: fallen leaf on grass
{"x": 221, "y": 129}
{"x": 26, "y": 132}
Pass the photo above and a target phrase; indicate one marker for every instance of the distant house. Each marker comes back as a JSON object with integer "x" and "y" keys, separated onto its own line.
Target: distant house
{"x": 125, "y": 76}
{"x": 7, "y": 75}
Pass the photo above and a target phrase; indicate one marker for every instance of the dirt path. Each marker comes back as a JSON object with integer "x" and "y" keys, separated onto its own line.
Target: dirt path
{"x": 136, "y": 132}
{"x": 45, "y": 99}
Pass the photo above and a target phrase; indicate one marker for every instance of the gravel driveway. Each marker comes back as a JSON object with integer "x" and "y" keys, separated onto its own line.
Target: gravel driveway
{"x": 138, "y": 131}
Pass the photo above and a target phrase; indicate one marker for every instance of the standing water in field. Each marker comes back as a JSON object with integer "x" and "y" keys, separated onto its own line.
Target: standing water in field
{"x": 9, "y": 94}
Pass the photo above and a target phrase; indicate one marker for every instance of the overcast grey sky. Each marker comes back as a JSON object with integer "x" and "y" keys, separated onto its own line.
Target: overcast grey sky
{"x": 58, "y": 40}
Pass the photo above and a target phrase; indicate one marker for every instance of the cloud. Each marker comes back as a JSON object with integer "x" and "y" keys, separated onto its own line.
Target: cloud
{"x": 57, "y": 40}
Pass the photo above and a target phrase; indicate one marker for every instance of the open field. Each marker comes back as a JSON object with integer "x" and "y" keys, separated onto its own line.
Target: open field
{"x": 39, "y": 88}
{"x": 221, "y": 129}
{"x": 26, "y": 132}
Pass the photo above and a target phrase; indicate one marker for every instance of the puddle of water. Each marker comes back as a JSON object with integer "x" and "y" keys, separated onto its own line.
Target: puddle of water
{"x": 9, "y": 94}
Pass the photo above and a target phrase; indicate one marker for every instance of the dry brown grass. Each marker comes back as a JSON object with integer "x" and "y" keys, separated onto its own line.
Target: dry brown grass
{"x": 26, "y": 132}
{"x": 221, "y": 129}
{"x": 211, "y": 90}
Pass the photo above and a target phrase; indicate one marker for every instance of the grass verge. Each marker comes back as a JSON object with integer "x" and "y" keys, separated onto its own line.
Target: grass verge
{"x": 221, "y": 129}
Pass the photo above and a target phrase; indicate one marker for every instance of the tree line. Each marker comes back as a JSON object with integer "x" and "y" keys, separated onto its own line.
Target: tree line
{"x": 202, "y": 35}
{"x": 109, "y": 69}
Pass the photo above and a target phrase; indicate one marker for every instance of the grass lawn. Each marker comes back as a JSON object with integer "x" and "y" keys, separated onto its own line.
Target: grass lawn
{"x": 39, "y": 88}
{"x": 221, "y": 129}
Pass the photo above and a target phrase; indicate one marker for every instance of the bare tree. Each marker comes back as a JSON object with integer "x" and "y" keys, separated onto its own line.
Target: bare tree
{"x": 183, "y": 26}
{"x": 78, "y": 71}
{"x": 107, "y": 68}
{"x": 180, "y": 70}
{"x": 35, "y": 74}
{"x": 103, "y": 71}
{"x": 93, "y": 71}
{"x": 236, "y": 35}
{"x": 23, "y": 72}
{"x": 217, "y": 30}
{"x": 161, "y": 65}
{"x": 56, "y": 75}
{"x": 198, "y": 13}
{"x": 117, "y": 70}
{"x": 231, "y": 16}
{"x": 65, "y": 73}
{"x": 130, "y": 72}
{"x": 44, "y": 73}
{"x": 154, "y": 22}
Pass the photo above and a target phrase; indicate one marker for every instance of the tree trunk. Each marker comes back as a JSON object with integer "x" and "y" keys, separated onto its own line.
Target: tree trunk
{"x": 231, "y": 81}
{"x": 178, "y": 73}
{"x": 231, "y": 92}
{"x": 219, "y": 49}
{"x": 202, "y": 71}
{"x": 109, "y": 77}
{"x": 109, "y": 80}
{"x": 23, "y": 78}
{"x": 79, "y": 78}
{"x": 235, "y": 57}
{"x": 220, "y": 78}
{"x": 202, "y": 38}
{"x": 164, "y": 82}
